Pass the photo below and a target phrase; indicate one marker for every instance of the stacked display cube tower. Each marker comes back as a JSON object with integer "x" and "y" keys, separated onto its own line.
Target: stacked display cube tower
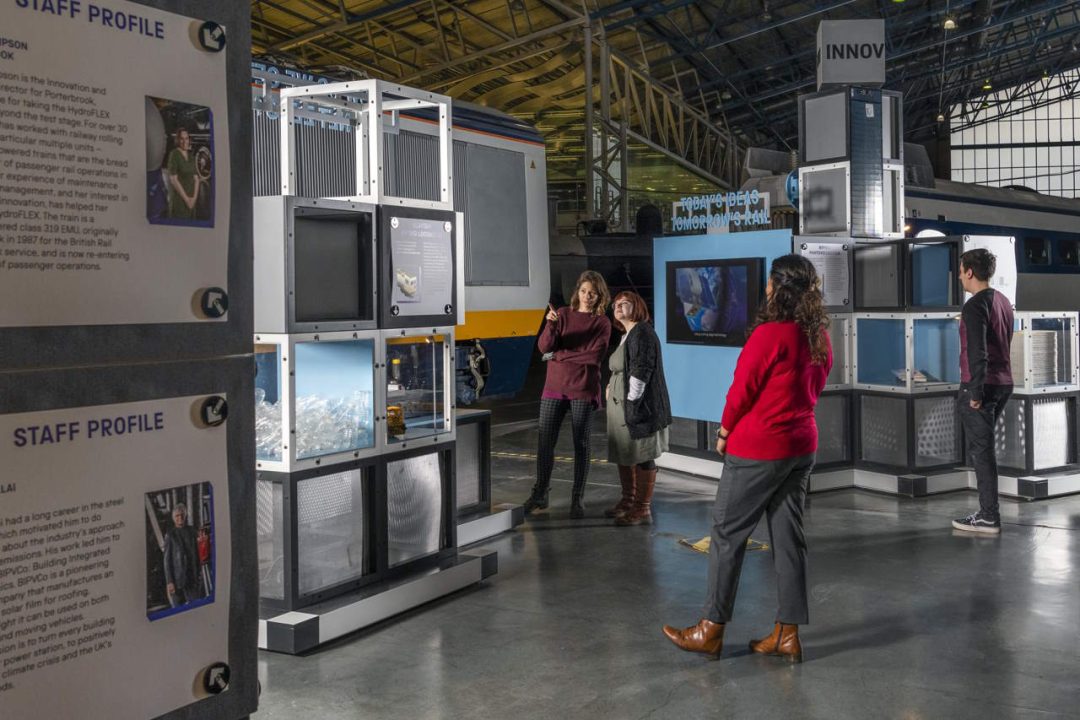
{"x": 356, "y": 302}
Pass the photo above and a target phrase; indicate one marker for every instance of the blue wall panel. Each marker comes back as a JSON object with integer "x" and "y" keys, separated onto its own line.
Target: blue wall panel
{"x": 698, "y": 377}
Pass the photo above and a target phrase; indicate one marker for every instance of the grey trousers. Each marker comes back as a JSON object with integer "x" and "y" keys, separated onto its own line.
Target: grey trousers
{"x": 748, "y": 489}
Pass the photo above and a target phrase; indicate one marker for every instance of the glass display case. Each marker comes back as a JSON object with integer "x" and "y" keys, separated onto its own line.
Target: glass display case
{"x": 907, "y": 352}
{"x": 315, "y": 399}
{"x": 1044, "y": 352}
{"x": 1037, "y": 434}
{"x": 840, "y": 337}
{"x": 314, "y": 265}
{"x": 419, "y": 385}
{"x": 314, "y": 531}
{"x": 879, "y": 276}
{"x": 908, "y": 434}
{"x": 932, "y": 277}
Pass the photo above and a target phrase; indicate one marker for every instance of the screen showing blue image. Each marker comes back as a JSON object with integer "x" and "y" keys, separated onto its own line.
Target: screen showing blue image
{"x": 712, "y": 302}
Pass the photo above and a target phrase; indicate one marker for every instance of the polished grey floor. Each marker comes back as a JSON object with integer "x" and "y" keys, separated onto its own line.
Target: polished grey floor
{"x": 909, "y": 620}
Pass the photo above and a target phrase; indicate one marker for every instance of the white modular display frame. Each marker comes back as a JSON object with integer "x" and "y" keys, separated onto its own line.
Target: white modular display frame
{"x": 840, "y": 334}
{"x": 909, "y": 385}
{"x": 287, "y": 388}
{"x": 810, "y": 170}
{"x": 449, "y": 395}
{"x": 275, "y": 263}
{"x": 370, "y": 104}
{"x": 1026, "y": 384}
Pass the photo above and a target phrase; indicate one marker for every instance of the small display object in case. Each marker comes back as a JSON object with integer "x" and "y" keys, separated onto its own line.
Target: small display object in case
{"x": 419, "y": 380}
{"x": 315, "y": 531}
{"x": 314, "y": 265}
{"x": 315, "y": 399}
{"x": 1044, "y": 353}
{"x": 418, "y": 268}
{"x": 907, "y": 434}
{"x": 907, "y": 352}
{"x": 1037, "y": 434}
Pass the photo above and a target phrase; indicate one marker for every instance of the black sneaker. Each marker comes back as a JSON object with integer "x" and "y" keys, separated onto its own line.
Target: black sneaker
{"x": 978, "y": 523}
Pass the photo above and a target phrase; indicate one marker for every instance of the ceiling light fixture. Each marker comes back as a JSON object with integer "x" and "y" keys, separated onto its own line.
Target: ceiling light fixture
{"x": 950, "y": 24}
{"x": 986, "y": 85}
{"x": 941, "y": 117}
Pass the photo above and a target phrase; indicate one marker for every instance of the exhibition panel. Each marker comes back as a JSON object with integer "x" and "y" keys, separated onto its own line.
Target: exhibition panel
{"x": 418, "y": 267}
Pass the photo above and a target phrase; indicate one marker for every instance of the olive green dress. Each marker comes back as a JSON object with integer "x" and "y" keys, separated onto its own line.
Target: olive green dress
{"x": 183, "y": 169}
{"x": 623, "y": 449}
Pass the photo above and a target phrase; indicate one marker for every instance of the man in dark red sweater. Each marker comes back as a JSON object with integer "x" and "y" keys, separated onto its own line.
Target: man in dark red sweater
{"x": 986, "y": 329}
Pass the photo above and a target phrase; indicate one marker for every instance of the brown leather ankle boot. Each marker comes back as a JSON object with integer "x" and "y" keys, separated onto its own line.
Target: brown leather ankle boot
{"x": 641, "y": 512}
{"x": 706, "y": 637}
{"x": 783, "y": 642}
{"x": 627, "y": 480}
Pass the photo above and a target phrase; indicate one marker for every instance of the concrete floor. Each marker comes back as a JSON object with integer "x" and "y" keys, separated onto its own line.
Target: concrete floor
{"x": 908, "y": 619}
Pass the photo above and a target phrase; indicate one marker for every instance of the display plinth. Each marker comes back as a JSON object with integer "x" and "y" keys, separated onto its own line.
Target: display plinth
{"x": 329, "y": 531}
{"x": 909, "y": 353}
{"x": 1037, "y": 434}
{"x": 477, "y": 519}
{"x": 905, "y": 434}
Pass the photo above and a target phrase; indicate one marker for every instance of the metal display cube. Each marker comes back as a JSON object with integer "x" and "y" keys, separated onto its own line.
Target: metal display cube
{"x": 840, "y": 332}
{"x": 314, "y": 265}
{"x": 473, "y": 461}
{"x": 418, "y": 378}
{"x": 1044, "y": 353}
{"x": 913, "y": 274}
{"x": 833, "y": 414}
{"x": 418, "y": 267}
{"x": 825, "y": 199}
{"x": 316, "y": 397}
{"x": 1037, "y": 434}
{"x": 315, "y": 531}
{"x": 421, "y": 509}
{"x": 907, "y": 434}
{"x": 373, "y": 108}
{"x": 906, "y": 352}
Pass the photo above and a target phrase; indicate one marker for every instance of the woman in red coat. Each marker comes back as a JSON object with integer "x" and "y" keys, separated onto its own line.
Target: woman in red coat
{"x": 768, "y": 437}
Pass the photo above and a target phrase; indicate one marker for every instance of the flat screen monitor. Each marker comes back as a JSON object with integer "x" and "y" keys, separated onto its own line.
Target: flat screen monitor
{"x": 713, "y": 302}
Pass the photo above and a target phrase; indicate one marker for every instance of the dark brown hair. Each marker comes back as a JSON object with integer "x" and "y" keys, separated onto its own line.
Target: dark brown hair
{"x": 981, "y": 262}
{"x": 796, "y": 297}
{"x": 639, "y": 311}
{"x": 597, "y": 280}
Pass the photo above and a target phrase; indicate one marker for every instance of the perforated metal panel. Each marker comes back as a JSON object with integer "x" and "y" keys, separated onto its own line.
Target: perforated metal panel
{"x": 1053, "y": 432}
{"x": 269, "y": 523}
{"x": 1010, "y": 435}
{"x": 325, "y": 159}
{"x": 883, "y": 430}
{"x": 330, "y": 530}
{"x": 937, "y": 432}
{"x": 414, "y": 507}
{"x": 833, "y": 416}
{"x": 469, "y": 464}
{"x": 412, "y": 160}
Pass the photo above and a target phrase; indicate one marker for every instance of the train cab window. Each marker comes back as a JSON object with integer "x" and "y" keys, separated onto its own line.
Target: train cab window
{"x": 1069, "y": 252}
{"x": 1036, "y": 251}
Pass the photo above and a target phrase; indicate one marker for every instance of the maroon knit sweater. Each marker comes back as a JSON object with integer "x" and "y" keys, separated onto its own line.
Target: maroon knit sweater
{"x": 579, "y": 341}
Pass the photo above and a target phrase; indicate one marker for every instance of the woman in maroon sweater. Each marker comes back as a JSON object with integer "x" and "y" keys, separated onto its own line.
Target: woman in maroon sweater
{"x": 768, "y": 438}
{"x": 574, "y": 341}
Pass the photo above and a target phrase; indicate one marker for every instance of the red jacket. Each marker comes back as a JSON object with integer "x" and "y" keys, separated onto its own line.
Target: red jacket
{"x": 769, "y": 411}
{"x": 579, "y": 341}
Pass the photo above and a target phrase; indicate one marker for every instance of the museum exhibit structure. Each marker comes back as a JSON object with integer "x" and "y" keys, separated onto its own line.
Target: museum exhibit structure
{"x": 367, "y": 482}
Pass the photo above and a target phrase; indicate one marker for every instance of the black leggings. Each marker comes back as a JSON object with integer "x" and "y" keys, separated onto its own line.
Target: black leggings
{"x": 552, "y": 413}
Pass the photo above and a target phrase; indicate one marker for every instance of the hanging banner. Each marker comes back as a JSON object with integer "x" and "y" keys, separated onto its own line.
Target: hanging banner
{"x": 114, "y": 149}
{"x": 115, "y": 549}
